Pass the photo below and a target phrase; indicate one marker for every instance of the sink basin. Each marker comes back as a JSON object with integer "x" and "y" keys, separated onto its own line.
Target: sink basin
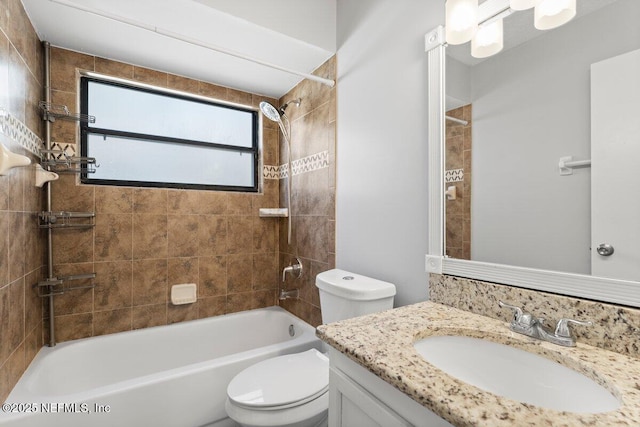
{"x": 516, "y": 374}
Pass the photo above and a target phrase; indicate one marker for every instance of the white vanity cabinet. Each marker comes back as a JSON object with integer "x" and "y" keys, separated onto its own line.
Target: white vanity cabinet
{"x": 357, "y": 398}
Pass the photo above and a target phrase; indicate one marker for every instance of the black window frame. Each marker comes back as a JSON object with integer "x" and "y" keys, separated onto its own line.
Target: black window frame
{"x": 86, "y": 129}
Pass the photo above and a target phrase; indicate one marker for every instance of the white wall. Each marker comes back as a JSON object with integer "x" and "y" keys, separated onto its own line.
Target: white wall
{"x": 381, "y": 198}
{"x": 531, "y": 107}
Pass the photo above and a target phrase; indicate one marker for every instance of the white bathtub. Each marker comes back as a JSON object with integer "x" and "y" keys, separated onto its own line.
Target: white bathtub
{"x": 174, "y": 376}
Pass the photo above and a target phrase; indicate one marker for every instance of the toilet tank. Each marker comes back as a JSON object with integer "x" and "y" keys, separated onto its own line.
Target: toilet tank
{"x": 344, "y": 294}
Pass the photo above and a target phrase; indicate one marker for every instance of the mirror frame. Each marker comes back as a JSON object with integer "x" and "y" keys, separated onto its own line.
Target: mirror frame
{"x": 624, "y": 292}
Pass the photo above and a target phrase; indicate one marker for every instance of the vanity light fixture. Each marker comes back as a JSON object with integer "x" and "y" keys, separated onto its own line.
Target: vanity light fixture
{"x": 462, "y": 20}
{"x": 483, "y": 25}
{"x": 553, "y": 13}
{"x": 488, "y": 40}
{"x": 523, "y": 4}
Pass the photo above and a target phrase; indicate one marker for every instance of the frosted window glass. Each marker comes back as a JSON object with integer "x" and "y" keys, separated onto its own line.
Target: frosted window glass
{"x": 125, "y": 159}
{"x": 148, "y": 138}
{"x": 137, "y": 111}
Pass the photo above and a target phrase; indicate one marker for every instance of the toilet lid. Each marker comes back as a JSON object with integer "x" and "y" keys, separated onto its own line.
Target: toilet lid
{"x": 281, "y": 381}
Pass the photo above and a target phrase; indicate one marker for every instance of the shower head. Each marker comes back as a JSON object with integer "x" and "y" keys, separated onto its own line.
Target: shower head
{"x": 270, "y": 111}
{"x": 274, "y": 114}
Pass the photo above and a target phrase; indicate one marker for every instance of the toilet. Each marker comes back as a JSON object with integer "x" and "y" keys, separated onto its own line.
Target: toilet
{"x": 293, "y": 390}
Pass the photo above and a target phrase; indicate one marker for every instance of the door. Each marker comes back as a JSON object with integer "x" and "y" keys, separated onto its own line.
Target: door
{"x": 615, "y": 163}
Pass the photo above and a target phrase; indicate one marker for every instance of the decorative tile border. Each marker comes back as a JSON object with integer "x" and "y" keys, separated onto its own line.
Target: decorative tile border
{"x": 19, "y": 132}
{"x": 306, "y": 164}
{"x": 62, "y": 149}
{"x": 271, "y": 172}
{"x": 454, "y": 175}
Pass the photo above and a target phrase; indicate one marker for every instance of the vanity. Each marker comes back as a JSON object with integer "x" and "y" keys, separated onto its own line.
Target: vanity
{"x": 379, "y": 378}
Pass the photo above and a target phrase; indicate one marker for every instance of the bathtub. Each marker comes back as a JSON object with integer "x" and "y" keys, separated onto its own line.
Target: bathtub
{"x": 174, "y": 376}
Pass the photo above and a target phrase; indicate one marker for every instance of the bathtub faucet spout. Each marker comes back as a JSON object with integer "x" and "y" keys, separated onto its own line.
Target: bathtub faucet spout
{"x": 293, "y": 293}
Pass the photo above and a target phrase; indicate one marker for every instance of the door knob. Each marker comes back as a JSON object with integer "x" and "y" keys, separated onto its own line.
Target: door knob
{"x": 605, "y": 249}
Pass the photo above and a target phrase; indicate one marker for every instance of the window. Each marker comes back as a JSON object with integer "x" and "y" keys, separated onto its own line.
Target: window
{"x": 150, "y": 138}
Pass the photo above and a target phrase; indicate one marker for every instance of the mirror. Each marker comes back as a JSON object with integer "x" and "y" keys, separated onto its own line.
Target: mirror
{"x": 546, "y": 97}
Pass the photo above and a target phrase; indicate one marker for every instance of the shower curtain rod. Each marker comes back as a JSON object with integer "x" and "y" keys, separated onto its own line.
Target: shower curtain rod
{"x": 460, "y": 121}
{"x": 195, "y": 42}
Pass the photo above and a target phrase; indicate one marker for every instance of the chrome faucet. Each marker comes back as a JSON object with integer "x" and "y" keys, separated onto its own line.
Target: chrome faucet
{"x": 526, "y": 324}
{"x": 294, "y": 270}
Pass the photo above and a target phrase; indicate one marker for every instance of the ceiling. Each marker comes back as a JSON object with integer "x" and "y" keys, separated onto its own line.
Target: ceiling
{"x": 518, "y": 28}
{"x": 294, "y": 34}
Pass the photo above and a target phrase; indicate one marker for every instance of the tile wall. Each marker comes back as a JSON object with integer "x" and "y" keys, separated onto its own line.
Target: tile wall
{"x": 458, "y": 174}
{"x": 313, "y": 150}
{"x": 146, "y": 240}
{"x": 21, "y": 248}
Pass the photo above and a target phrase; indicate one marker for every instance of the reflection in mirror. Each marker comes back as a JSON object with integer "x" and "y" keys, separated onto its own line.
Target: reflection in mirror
{"x": 572, "y": 91}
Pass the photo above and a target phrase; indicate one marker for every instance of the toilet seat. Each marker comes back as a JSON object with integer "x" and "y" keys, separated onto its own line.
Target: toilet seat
{"x": 281, "y": 382}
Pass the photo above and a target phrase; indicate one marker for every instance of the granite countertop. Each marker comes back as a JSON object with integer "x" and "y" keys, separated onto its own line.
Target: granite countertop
{"x": 382, "y": 343}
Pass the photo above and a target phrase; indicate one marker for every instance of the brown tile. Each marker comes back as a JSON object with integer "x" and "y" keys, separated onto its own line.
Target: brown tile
{"x": 150, "y": 201}
{"x": 149, "y": 282}
{"x": 184, "y": 202}
{"x": 239, "y": 273}
{"x": 240, "y": 237}
{"x": 5, "y": 330}
{"x": 212, "y": 202}
{"x": 32, "y": 344}
{"x": 264, "y": 298}
{"x": 182, "y": 83}
{"x": 181, "y": 313}
{"x": 110, "y": 322}
{"x": 33, "y": 235}
{"x": 16, "y": 245}
{"x": 113, "y": 285}
{"x": 265, "y": 271}
{"x": 17, "y": 178}
{"x": 314, "y": 129}
{"x": 65, "y": 130}
{"x": 32, "y": 302}
{"x": 212, "y": 276}
{"x": 16, "y": 364}
{"x": 212, "y": 306}
{"x": 77, "y": 301}
{"x": 270, "y": 144}
{"x": 113, "y": 68}
{"x": 63, "y": 68}
{"x": 182, "y": 233}
{"x": 114, "y": 200}
{"x": 4, "y": 248}
{"x": 264, "y": 234}
{"x": 311, "y": 193}
{"x": 312, "y": 236}
{"x": 269, "y": 197}
{"x": 74, "y": 326}
{"x": 4, "y": 65}
{"x": 212, "y": 91}
{"x": 239, "y": 302}
{"x": 239, "y": 97}
{"x": 152, "y": 77}
{"x": 67, "y": 196}
{"x": 113, "y": 237}
{"x": 182, "y": 270}
{"x": 212, "y": 235}
{"x": 149, "y": 236}
{"x": 453, "y": 153}
{"x": 149, "y": 315}
{"x": 17, "y": 84}
{"x": 73, "y": 246}
{"x": 240, "y": 204}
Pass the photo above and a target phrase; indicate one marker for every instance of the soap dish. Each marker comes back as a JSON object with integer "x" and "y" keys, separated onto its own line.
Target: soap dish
{"x": 183, "y": 294}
